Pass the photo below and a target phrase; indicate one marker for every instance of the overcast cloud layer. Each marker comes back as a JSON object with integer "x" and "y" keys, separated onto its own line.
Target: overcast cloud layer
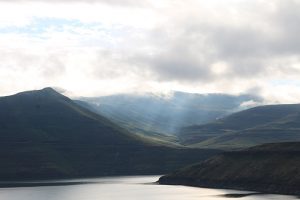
{"x": 91, "y": 47}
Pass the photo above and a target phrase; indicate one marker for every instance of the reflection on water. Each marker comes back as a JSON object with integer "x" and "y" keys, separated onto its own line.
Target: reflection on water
{"x": 122, "y": 188}
{"x": 239, "y": 195}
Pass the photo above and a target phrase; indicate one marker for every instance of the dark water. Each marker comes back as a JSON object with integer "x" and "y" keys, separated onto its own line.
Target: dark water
{"x": 122, "y": 188}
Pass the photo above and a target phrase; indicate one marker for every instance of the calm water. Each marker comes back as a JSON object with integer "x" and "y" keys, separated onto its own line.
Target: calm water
{"x": 124, "y": 188}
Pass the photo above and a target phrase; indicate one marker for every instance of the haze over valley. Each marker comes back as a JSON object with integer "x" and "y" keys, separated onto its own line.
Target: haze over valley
{"x": 148, "y": 98}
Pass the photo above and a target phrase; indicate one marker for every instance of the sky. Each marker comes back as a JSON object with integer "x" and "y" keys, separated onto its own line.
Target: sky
{"x": 103, "y": 47}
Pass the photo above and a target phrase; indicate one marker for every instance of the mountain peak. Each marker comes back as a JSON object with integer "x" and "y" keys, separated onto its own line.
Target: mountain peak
{"x": 49, "y": 91}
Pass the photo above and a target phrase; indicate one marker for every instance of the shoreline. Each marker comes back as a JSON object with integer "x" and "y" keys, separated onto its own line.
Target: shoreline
{"x": 251, "y": 187}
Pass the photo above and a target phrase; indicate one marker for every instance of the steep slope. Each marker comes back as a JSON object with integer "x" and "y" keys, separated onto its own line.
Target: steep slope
{"x": 272, "y": 168}
{"x": 142, "y": 132}
{"x": 272, "y": 123}
{"x": 44, "y": 134}
{"x": 44, "y": 115}
{"x": 149, "y": 113}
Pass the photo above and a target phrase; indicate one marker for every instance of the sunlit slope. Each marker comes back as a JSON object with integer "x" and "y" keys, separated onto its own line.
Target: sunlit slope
{"x": 46, "y": 135}
{"x": 273, "y": 168}
{"x": 264, "y": 124}
{"x": 150, "y": 113}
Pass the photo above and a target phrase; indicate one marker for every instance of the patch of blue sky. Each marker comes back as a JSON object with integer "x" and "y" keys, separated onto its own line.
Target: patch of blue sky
{"x": 41, "y": 25}
{"x": 286, "y": 82}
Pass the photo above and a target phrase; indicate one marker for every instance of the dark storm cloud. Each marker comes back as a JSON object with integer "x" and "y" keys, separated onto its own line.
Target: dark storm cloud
{"x": 188, "y": 48}
{"x": 249, "y": 49}
{"x": 179, "y": 63}
{"x": 279, "y": 37}
{"x": 179, "y": 67}
{"x": 287, "y": 19}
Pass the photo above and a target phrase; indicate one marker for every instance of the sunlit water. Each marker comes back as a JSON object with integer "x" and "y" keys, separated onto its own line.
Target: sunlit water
{"x": 124, "y": 188}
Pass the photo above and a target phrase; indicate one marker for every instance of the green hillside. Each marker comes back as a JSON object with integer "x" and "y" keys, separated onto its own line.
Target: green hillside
{"x": 271, "y": 168}
{"x": 259, "y": 125}
{"x": 46, "y": 135}
{"x": 150, "y": 114}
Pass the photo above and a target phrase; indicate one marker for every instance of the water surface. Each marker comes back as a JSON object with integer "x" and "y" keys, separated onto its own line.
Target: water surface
{"x": 123, "y": 188}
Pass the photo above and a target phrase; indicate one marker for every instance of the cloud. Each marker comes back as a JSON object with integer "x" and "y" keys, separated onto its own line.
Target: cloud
{"x": 122, "y": 3}
{"x": 249, "y": 104}
{"x": 249, "y": 48}
{"x": 125, "y": 45}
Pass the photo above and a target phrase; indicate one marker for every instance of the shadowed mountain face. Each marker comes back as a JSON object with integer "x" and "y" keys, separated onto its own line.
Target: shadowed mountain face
{"x": 272, "y": 168}
{"x": 166, "y": 114}
{"x": 48, "y": 116}
{"x": 264, "y": 124}
{"x": 44, "y": 134}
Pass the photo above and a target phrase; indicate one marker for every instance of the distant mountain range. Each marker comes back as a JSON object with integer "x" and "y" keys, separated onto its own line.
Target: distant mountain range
{"x": 270, "y": 168}
{"x": 216, "y": 121}
{"x": 259, "y": 125}
{"x": 152, "y": 114}
{"x": 44, "y": 134}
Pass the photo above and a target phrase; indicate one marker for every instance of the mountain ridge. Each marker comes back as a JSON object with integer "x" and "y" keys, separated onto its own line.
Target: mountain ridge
{"x": 44, "y": 134}
{"x": 146, "y": 113}
{"x": 254, "y": 126}
{"x": 270, "y": 168}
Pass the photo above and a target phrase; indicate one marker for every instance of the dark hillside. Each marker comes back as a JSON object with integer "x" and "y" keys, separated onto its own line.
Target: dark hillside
{"x": 44, "y": 134}
{"x": 271, "y": 168}
{"x": 259, "y": 125}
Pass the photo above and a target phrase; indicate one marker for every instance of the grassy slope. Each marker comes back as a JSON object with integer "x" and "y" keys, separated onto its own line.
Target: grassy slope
{"x": 46, "y": 135}
{"x": 255, "y": 126}
{"x": 165, "y": 114}
{"x": 273, "y": 168}
{"x": 141, "y": 131}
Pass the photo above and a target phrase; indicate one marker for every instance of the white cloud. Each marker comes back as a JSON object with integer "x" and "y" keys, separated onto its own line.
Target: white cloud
{"x": 101, "y": 47}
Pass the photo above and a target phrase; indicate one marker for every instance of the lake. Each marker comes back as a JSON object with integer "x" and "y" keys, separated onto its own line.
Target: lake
{"x": 123, "y": 188}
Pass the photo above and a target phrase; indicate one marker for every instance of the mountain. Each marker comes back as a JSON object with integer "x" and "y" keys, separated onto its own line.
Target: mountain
{"x": 270, "y": 168}
{"x": 44, "y": 134}
{"x": 151, "y": 114}
{"x": 259, "y": 125}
